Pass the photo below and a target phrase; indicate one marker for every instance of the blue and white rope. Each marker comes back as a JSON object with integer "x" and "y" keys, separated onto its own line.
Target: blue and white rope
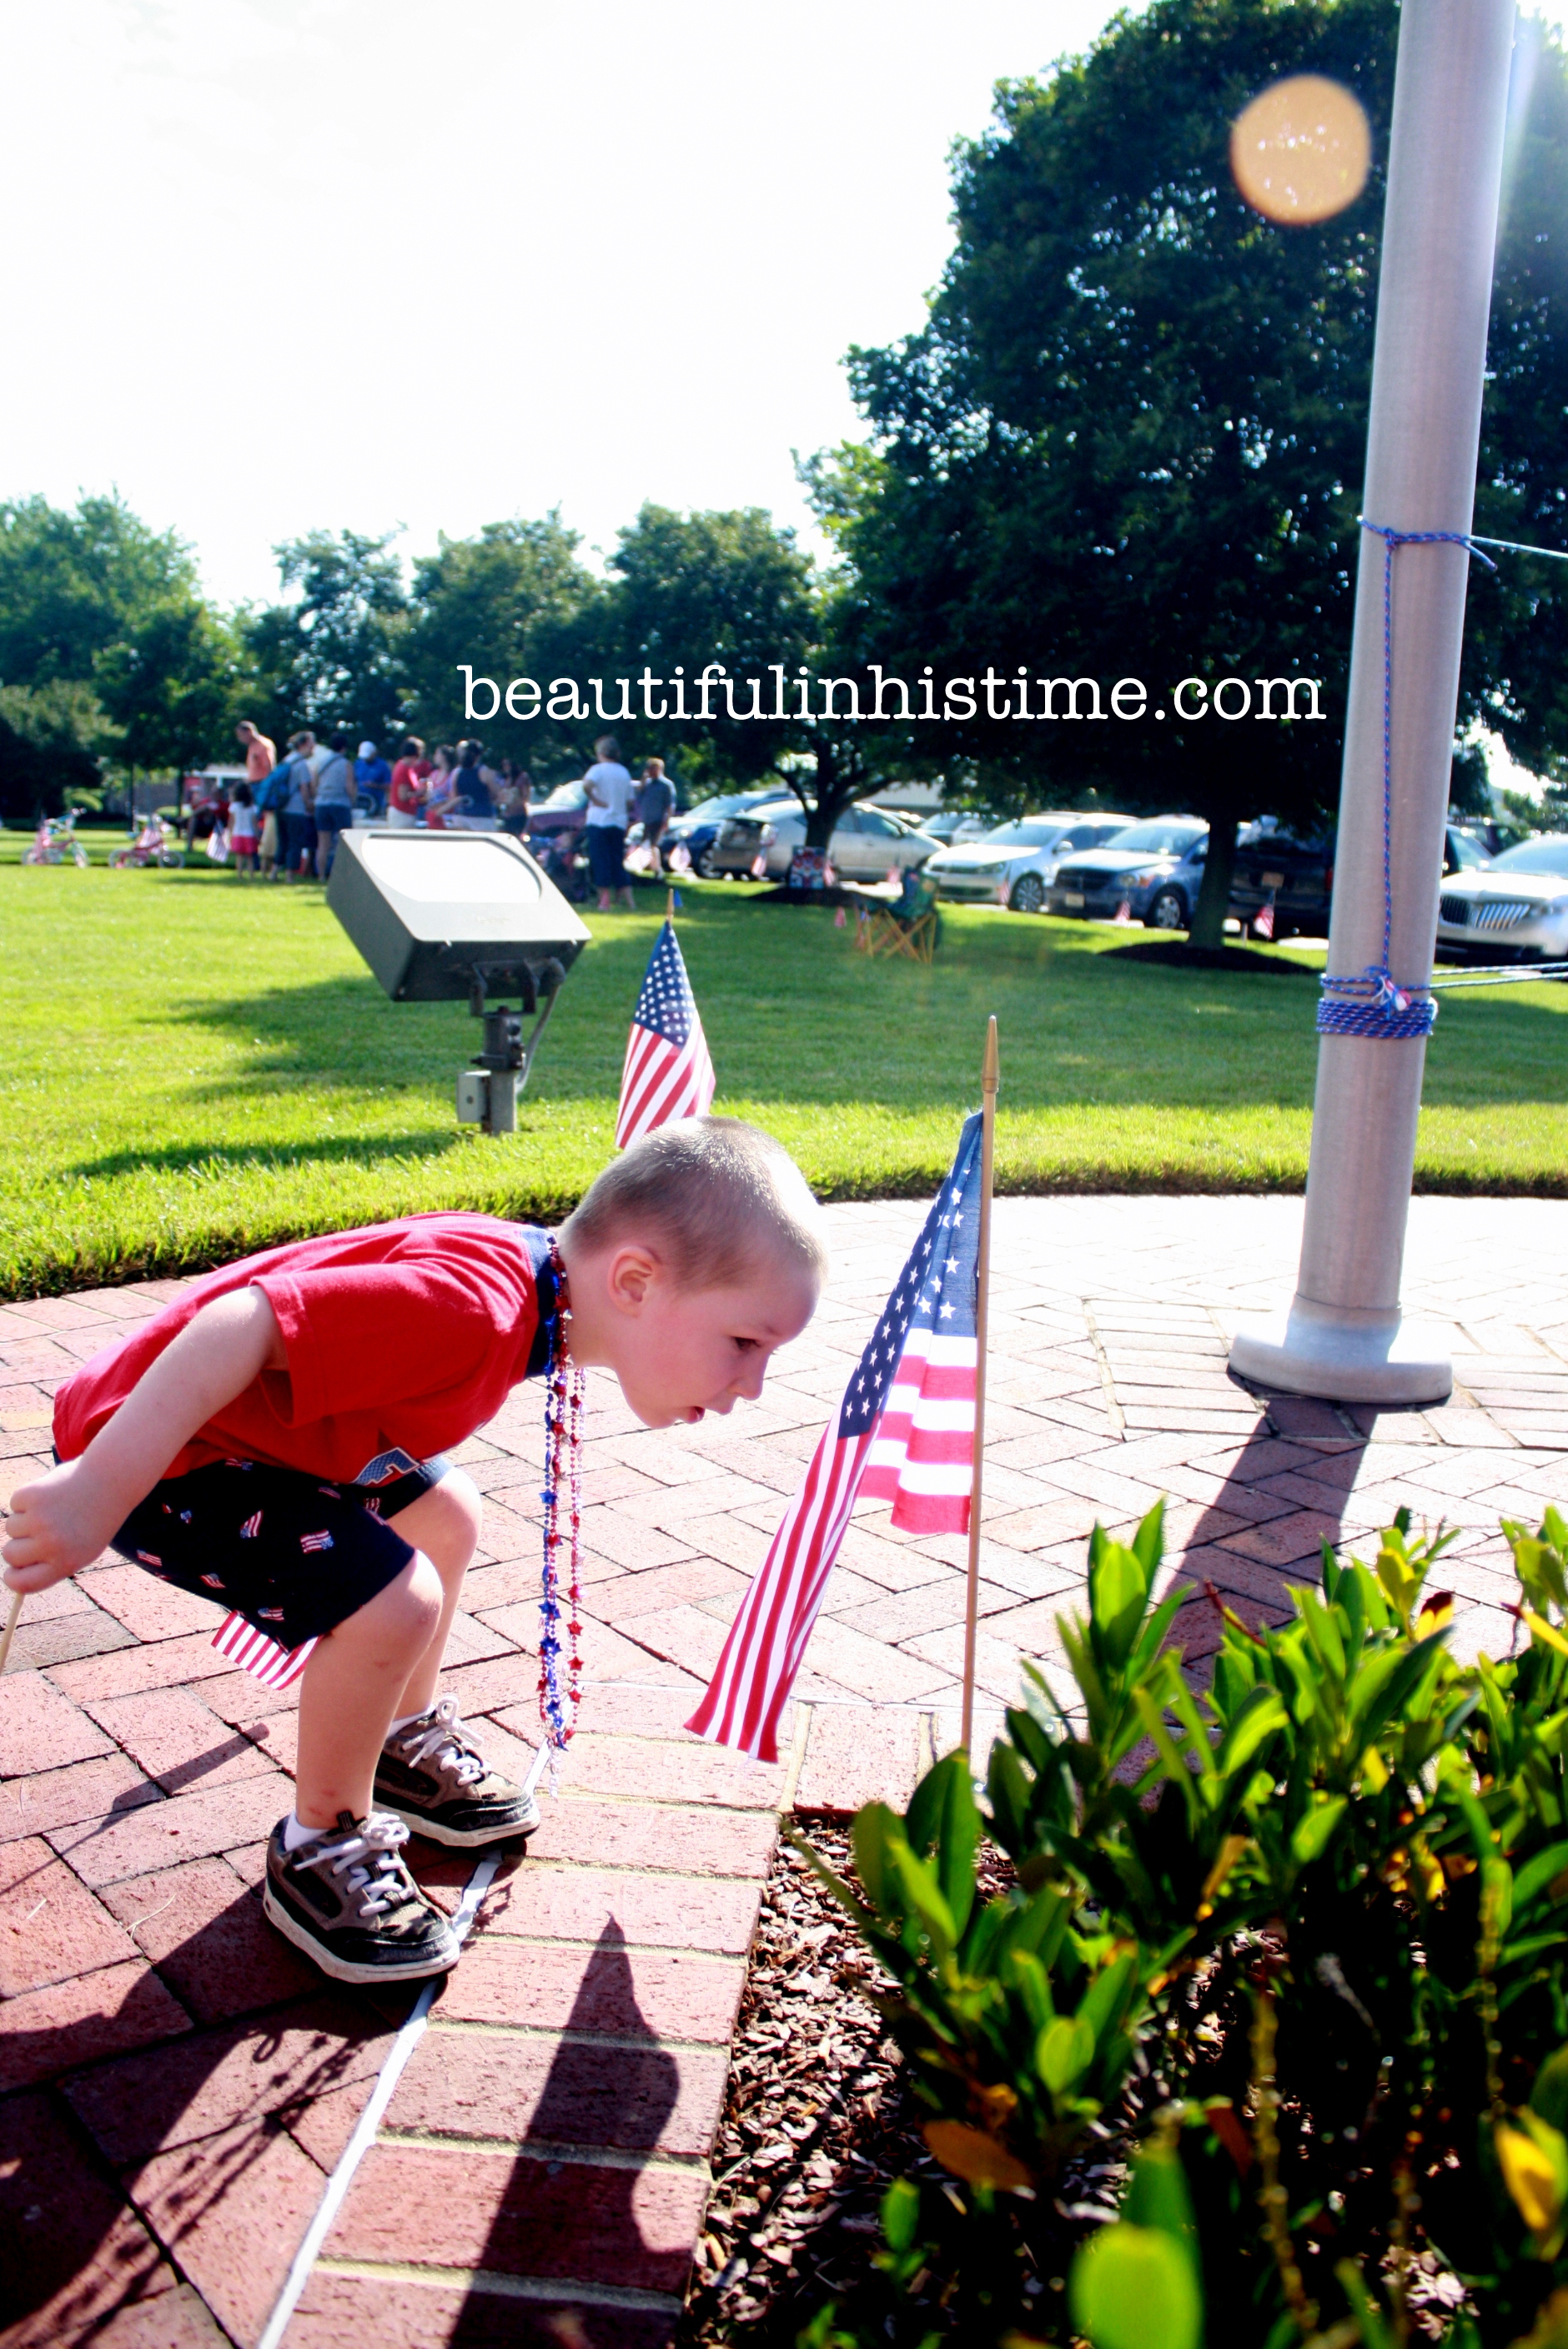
{"x": 1375, "y": 1005}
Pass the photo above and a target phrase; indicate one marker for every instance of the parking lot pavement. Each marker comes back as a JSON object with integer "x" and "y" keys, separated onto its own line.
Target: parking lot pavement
{"x": 177, "y": 2086}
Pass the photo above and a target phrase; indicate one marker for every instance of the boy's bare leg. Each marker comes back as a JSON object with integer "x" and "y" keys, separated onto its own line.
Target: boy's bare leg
{"x": 352, "y": 1691}
{"x": 443, "y": 1525}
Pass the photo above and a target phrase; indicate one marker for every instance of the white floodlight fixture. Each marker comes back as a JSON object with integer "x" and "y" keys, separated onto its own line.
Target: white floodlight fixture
{"x": 444, "y": 915}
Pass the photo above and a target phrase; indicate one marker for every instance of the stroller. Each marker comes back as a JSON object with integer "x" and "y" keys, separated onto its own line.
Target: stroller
{"x": 555, "y": 854}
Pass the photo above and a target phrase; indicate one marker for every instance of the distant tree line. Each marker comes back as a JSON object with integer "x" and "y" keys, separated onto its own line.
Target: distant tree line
{"x": 1128, "y": 439}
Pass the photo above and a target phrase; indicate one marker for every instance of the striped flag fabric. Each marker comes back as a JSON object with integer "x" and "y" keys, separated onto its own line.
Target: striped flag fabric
{"x": 667, "y": 1072}
{"x": 1264, "y": 919}
{"x": 275, "y": 1667}
{"x": 904, "y": 1431}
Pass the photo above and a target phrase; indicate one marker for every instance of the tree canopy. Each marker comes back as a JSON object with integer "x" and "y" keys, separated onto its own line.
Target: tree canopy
{"x": 1129, "y": 439}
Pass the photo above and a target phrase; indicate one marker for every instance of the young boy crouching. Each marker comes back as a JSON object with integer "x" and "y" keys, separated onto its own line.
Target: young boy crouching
{"x": 275, "y": 1440}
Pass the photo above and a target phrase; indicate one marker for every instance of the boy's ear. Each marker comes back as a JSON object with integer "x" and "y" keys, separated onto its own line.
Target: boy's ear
{"x": 630, "y": 1274}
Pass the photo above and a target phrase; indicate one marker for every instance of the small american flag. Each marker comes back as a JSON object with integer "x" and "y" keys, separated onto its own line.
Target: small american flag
{"x": 309, "y": 1542}
{"x": 904, "y": 1431}
{"x": 1123, "y": 912}
{"x": 1263, "y": 920}
{"x": 274, "y": 1666}
{"x": 668, "y": 1073}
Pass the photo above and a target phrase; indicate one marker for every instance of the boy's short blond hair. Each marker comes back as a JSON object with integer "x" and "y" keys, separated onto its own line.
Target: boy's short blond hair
{"x": 713, "y": 1197}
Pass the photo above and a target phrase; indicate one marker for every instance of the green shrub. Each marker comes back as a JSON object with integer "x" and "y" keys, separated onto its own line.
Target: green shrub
{"x": 1293, "y": 1947}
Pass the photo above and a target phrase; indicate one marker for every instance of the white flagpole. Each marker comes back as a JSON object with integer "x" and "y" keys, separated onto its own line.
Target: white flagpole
{"x": 988, "y": 1076}
{"x": 1345, "y": 1337}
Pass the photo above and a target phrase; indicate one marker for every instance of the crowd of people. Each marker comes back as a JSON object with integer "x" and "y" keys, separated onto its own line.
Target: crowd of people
{"x": 282, "y": 820}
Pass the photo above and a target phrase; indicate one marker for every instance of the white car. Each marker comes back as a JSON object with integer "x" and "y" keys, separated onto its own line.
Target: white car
{"x": 1514, "y": 909}
{"x": 866, "y": 845}
{"x": 1016, "y": 864}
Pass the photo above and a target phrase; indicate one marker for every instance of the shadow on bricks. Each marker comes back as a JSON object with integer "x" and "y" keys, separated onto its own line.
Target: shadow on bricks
{"x": 173, "y": 2136}
{"x": 563, "y": 2215}
{"x": 1259, "y": 1537}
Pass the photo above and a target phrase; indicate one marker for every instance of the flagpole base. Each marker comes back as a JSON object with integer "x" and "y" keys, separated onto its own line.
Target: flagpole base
{"x": 1341, "y": 1355}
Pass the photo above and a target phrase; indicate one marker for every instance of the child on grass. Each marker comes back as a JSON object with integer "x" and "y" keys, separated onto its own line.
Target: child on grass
{"x": 274, "y": 1440}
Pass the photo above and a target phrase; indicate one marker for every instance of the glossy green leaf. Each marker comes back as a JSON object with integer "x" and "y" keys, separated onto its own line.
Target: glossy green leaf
{"x": 1133, "y": 2288}
{"x": 1315, "y": 1833}
{"x": 900, "y": 2214}
{"x": 1064, "y": 2051}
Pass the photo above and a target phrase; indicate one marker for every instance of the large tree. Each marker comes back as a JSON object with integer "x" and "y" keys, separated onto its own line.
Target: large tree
{"x": 512, "y": 602}
{"x": 1130, "y": 439}
{"x": 108, "y": 650}
{"x": 174, "y": 685}
{"x": 71, "y": 584}
{"x": 687, "y": 591}
{"x": 332, "y": 657}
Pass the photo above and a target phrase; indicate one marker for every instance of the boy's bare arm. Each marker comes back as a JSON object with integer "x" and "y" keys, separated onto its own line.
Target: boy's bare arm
{"x": 62, "y": 1520}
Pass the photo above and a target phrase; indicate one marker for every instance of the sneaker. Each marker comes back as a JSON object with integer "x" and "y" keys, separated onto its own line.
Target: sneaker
{"x": 433, "y": 1777}
{"x": 347, "y": 1901}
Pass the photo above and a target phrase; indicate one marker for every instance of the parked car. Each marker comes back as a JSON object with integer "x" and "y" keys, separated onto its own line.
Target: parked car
{"x": 1014, "y": 863}
{"x": 1155, "y": 868}
{"x": 950, "y": 825}
{"x": 866, "y": 845}
{"x": 1298, "y": 874}
{"x": 561, "y": 812}
{"x": 1514, "y": 909}
{"x": 699, "y": 827}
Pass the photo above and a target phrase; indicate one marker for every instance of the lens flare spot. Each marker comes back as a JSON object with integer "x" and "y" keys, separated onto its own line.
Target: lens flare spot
{"x": 1301, "y": 151}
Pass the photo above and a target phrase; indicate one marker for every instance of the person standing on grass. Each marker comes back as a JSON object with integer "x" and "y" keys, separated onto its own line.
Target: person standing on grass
{"x": 298, "y": 820}
{"x": 441, "y": 788}
{"x": 655, "y": 805}
{"x": 471, "y": 807}
{"x": 243, "y": 828}
{"x": 336, "y": 792}
{"x": 517, "y": 789}
{"x": 275, "y": 1439}
{"x": 609, "y": 789}
{"x": 406, "y": 795}
{"x": 374, "y": 777}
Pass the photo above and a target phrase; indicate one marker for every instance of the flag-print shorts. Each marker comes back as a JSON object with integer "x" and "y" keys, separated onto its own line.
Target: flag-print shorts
{"x": 292, "y": 1553}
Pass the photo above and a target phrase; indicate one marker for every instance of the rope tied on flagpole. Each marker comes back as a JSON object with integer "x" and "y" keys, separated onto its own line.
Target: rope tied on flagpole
{"x": 1375, "y": 1005}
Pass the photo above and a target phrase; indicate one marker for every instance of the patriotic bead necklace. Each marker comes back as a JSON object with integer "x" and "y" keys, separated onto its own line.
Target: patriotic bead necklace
{"x": 563, "y": 1481}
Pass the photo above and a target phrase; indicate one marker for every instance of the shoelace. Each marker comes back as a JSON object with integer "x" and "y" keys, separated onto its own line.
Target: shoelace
{"x": 367, "y": 1858}
{"x": 447, "y": 1741}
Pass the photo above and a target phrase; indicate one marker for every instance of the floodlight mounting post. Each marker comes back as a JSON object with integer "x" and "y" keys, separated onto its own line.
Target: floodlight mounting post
{"x": 1345, "y": 1337}
{"x": 505, "y": 1059}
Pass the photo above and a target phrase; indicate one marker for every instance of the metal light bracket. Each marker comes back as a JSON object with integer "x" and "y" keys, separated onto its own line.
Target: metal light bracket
{"x": 487, "y": 1092}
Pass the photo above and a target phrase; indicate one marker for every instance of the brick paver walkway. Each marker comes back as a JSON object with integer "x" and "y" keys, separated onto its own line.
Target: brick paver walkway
{"x": 176, "y": 2085}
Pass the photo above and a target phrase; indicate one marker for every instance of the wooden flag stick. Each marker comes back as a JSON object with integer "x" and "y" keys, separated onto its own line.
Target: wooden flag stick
{"x": 988, "y": 1076}
{"x": 6, "y": 1635}
{"x": 669, "y": 905}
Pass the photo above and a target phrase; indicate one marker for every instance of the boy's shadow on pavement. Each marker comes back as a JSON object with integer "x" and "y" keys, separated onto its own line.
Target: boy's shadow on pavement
{"x": 170, "y": 2127}
{"x": 575, "y": 2219}
{"x": 174, "y": 2128}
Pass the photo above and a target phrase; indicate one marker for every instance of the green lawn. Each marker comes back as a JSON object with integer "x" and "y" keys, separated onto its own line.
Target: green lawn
{"x": 194, "y": 1067}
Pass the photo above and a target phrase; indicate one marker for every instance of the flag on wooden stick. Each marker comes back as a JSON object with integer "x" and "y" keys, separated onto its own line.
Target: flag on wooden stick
{"x": 904, "y": 1431}
{"x": 667, "y": 1072}
{"x": 1264, "y": 919}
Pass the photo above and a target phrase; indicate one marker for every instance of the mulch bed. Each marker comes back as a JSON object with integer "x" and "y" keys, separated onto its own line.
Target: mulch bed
{"x": 818, "y": 2121}
{"x": 816, "y": 2125}
{"x": 1177, "y": 957}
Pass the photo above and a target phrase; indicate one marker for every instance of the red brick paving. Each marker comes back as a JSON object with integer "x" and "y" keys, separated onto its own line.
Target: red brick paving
{"x": 177, "y": 2083}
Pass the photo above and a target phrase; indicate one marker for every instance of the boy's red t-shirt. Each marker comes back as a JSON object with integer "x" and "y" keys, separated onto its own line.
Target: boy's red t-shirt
{"x": 402, "y": 1337}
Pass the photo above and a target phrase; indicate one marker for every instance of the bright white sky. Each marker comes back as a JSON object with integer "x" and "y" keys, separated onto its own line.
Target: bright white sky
{"x": 275, "y": 265}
